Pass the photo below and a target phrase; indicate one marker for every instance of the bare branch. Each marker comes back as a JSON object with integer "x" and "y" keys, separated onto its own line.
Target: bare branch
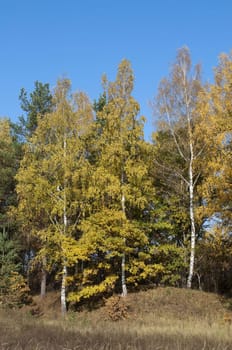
{"x": 172, "y": 132}
{"x": 170, "y": 170}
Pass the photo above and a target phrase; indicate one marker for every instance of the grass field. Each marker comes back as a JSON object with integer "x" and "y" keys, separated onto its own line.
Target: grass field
{"x": 162, "y": 318}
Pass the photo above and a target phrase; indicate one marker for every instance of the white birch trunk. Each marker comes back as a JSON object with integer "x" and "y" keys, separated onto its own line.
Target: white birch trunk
{"x": 65, "y": 224}
{"x": 192, "y": 219}
{"x": 191, "y": 183}
{"x": 191, "y": 198}
{"x": 123, "y": 279}
{"x": 178, "y": 96}
{"x": 63, "y": 291}
{"x": 124, "y": 288}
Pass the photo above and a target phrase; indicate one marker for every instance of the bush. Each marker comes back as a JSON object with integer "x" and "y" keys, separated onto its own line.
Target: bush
{"x": 116, "y": 308}
{"x": 14, "y": 291}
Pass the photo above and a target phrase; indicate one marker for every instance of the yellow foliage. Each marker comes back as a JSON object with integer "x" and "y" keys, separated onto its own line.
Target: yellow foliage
{"x": 15, "y": 292}
{"x": 93, "y": 290}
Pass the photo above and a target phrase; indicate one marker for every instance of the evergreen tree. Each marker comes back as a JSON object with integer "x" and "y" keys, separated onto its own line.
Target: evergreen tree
{"x": 9, "y": 164}
{"x": 13, "y": 289}
{"x": 39, "y": 103}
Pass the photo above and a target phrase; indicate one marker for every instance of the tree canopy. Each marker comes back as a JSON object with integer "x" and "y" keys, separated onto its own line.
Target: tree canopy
{"x": 97, "y": 209}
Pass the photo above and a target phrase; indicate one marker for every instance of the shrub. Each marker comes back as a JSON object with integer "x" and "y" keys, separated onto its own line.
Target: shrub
{"x": 116, "y": 308}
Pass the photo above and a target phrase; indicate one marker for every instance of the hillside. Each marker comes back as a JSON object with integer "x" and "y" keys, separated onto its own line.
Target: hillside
{"x": 162, "y": 318}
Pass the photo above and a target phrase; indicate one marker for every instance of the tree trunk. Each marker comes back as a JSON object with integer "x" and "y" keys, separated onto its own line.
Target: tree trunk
{"x": 43, "y": 278}
{"x": 123, "y": 279}
{"x": 64, "y": 272}
{"x": 124, "y": 288}
{"x": 192, "y": 219}
{"x": 65, "y": 225}
{"x": 63, "y": 291}
{"x": 43, "y": 283}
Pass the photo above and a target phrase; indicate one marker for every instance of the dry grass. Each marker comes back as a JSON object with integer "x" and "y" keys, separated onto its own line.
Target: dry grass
{"x": 163, "y": 318}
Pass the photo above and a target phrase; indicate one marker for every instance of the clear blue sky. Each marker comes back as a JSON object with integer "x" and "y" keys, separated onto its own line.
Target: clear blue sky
{"x": 47, "y": 39}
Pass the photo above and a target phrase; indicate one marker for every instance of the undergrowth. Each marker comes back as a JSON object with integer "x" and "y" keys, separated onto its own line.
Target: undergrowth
{"x": 164, "y": 319}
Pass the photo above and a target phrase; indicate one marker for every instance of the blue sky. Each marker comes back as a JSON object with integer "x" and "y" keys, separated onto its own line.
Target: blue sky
{"x": 48, "y": 39}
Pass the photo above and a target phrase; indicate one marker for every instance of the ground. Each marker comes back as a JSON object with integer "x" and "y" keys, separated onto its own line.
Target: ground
{"x": 161, "y": 318}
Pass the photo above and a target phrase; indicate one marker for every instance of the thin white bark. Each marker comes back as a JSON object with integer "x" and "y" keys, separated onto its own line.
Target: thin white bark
{"x": 191, "y": 197}
{"x": 124, "y": 288}
{"x": 193, "y": 229}
{"x": 63, "y": 291}
{"x": 190, "y": 160}
{"x": 123, "y": 279}
{"x": 65, "y": 224}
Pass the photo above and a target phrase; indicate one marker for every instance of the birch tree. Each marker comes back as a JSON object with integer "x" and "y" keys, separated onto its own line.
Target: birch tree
{"x": 123, "y": 133}
{"x": 177, "y": 109}
{"x": 119, "y": 191}
{"x": 52, "y": 178}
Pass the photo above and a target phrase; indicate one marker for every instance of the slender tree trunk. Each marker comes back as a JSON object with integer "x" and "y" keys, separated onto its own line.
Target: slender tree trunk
{"x": 199, "y": 281}
{"x": 177, "y": 100}
{"x": 43, "y": 278}
{"x": 28, "y": 263}
{"x": 124, "y": 287}
{"x": 63, "y": 291}
{"x": 192, "y": 219}
{"x": 65, "y": 224}
{"x": 191, "y": 185}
